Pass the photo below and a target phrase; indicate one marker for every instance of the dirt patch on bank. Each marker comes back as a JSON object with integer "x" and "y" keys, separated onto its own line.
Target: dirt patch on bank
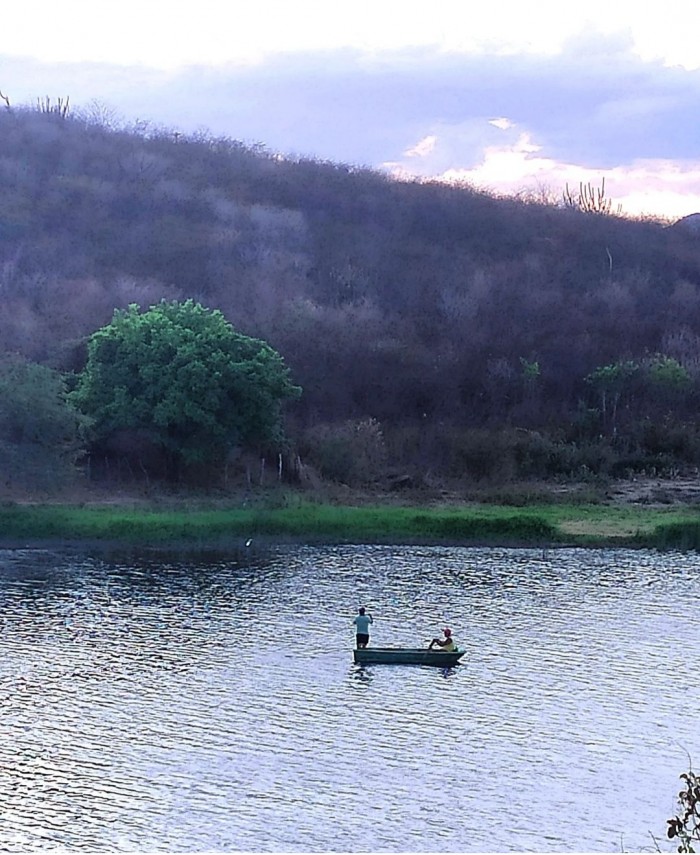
{"x": 647, "y": 492}
{"x": 653, "y": 492}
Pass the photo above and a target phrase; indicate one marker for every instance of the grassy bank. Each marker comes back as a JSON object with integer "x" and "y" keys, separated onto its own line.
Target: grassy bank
{"x": 590, "y": 525}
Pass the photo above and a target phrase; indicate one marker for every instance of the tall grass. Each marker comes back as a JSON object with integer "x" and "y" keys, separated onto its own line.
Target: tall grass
{"x": 683, "y": 535}
{"x": 313, "y": 522}
{"x": 537, "y": 525}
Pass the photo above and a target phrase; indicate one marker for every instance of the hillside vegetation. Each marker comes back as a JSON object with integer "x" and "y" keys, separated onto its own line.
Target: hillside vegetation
{"x": 438, "y": 333}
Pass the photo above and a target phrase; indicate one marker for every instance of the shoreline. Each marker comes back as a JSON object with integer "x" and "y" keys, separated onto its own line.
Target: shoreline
{"x": 271, "y": 541}
{"x": 196, "y": 525}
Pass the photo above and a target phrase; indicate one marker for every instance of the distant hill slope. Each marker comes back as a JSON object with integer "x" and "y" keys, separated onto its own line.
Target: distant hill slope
{"x": 400, "y": 301}
{"x": 690, "y": 223}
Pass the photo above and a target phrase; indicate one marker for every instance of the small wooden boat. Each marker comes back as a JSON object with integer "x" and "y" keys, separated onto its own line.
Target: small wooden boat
{"x": 406, "y": 656}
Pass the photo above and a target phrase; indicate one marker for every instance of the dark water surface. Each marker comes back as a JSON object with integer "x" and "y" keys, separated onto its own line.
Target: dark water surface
{"x": 159, "y": 704}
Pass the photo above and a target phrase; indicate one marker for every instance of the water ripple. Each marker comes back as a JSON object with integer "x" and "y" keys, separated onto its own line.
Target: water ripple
{"x": 165, "y": 705}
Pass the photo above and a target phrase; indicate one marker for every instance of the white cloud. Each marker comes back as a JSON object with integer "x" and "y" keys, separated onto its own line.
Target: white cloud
{"x": 422, "y": 148}
{"x": 177, "y": 33}
{"x": 502, "y": 123}
{"x": 642, "y": 188}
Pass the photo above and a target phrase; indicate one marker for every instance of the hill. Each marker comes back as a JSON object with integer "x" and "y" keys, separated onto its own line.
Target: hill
{"x": 437, "y": 331}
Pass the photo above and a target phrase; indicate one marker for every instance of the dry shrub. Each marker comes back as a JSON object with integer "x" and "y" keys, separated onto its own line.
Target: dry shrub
{"x": 350, "y": 452}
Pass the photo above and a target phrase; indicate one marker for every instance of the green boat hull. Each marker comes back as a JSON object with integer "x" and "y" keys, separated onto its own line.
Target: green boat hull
{"x": 406, "y": 656}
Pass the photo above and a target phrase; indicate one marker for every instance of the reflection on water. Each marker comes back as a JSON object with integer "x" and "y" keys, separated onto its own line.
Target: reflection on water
{"x": 169, "y": 704}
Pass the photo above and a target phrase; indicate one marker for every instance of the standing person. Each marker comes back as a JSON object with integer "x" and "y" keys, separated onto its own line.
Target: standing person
{"x": 447, "y": 643}
{"x": 362, "y": 621}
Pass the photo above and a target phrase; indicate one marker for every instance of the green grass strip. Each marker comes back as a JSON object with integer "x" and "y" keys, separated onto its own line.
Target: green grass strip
{"x": 553, "y": 524}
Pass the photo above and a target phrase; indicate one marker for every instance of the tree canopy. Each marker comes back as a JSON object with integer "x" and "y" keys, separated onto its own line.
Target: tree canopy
{"x": 180, "y": 374}
{"x": 40, "y": 432}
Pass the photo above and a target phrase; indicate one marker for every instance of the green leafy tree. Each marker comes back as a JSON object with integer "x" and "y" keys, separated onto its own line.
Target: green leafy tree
{"x": 180, "y": 374}
{"x": 667, "y": 387}
{"x": 667, "y": 376}
{"x": 610, "y": 382}
{"x": 40, "y": 431}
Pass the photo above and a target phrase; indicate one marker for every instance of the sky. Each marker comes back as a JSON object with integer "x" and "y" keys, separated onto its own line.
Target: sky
{"x": 510, "y": 96}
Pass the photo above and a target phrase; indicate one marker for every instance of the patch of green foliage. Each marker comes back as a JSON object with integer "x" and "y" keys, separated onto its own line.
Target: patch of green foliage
{"x": 680, "y": 534}
{"x": 305, "y": 521}
{"x": 183, "y": 377}
{"x": 40, "y": 431}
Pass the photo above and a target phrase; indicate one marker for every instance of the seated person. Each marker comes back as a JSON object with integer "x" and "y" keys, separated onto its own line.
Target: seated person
{"x": 446, "y": 644}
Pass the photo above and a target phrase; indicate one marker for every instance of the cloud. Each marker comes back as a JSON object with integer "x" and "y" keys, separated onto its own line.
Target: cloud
{"x": 422, "y": 148}
{"x": 588, "y": 105}
{"x": 501, "y": 123}
{"x": 643, "y": 187}
{"x": 593, "y": 108}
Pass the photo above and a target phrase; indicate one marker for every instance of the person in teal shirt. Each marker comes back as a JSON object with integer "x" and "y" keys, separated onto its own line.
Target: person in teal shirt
{"x": 362, "y": 621}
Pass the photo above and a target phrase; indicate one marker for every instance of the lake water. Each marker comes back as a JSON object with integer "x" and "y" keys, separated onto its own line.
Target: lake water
{"x": 194, "y": 704}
